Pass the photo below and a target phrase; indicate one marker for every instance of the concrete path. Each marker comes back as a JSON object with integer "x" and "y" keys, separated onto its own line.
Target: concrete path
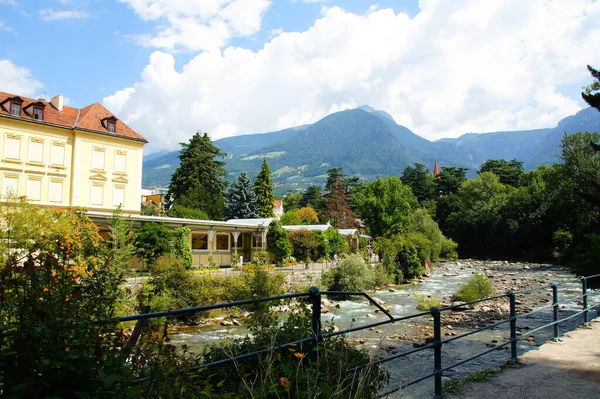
{"x": 562, "y": 370}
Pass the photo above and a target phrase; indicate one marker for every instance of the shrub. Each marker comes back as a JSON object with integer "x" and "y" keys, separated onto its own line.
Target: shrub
{"x": 290, "y": 218}
{"x": 478, "y": 287}
{"x": 308, "y": 215}
{"x": 422, "y": 223}
{"x": 278, "y": 241}
{"x": 448, "y": 250}
{"x": 352, "y": 274}
{"x": 179, "y": 211}
{"x": 381, "y": 277}
{"x": 407, "y": 259}
{"x": 332, "y": 242}
{"x": 423, "y": 246}
{"x": 305, "y": 244}
{"x": 151, "y": 241}
{"x": 182, "y": 247}
{"x": 427, "y": 302}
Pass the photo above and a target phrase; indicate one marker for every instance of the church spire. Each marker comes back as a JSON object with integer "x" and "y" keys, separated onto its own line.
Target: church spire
{"x": 436, "y": 169}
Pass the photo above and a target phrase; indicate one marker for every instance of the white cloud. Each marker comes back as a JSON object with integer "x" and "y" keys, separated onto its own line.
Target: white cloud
{"x": 5, "y": 27}
{"x": 193, "y": 25}
{"x": 49, "y": 14}
{"x": 18, "y": 80}
{"x": 455, "y": 67}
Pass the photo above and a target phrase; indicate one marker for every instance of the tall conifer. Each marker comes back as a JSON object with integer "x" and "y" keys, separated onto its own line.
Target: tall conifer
{"x": 240, "y": 201}
{"x": 198, "y": 182}
{"x": 263, "y": 189}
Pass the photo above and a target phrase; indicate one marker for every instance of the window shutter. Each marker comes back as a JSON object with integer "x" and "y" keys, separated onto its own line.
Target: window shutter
{"x": 34, "y": 189}
{"x": 12, "y": 148}
{"x": 98, "y": 160}
{"x": 57, "y": 155}
{"x": 36, "y": 151}
{"x": 55, "y": 191}
{"x": 120, "y": 163}
{"x": 10, "y": 185}
{"x": 118, "y": 196}
{"x": 96, "y": 195}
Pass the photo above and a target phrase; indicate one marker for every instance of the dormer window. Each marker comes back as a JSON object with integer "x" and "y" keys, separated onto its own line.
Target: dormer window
{"x": 110, "y": 123}
{"x": 15, "y": 108}
{"x": 38, "y": 113}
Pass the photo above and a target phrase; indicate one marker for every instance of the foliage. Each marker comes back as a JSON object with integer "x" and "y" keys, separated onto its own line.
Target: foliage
{"x": 562, "y": 240}
{"x": 385, "y": 205}
{"x": 290, "y": 218}
{"x": 150, "y": 209}
{"x": 420, "y": 181}
{"x": 263, "y": 191}
{"x": 337, "y": 208}
{"x": 407, "y": 259}
{"x": 508, "y": 172}
{"x": 312, "y": 197}
{"x": 352, "y": 274}
{"x": 422, "y": 223}
{"x": 590, "y": 93}
{"x": 448, "y": 250}
{"x": 181, "y": 245}
{"x": 180, "y": 211}
{"x": 278, "y": 241}
{"x": 478, "y": 287}
{"x": 333, "y": 242}
{"x": 240, "y": 200}
{"x": 292, "y": 202}
{"x": 587, "y": 262}
{"x": 198, "y": 181}
{"x": 121, "y": 240}
{"x": 308, "y": 215}
{"x": 427, "y": 302}
{"x": 152, "y": 240}
{"x": 450, "y": 179}
{"x": 455, "y": 387}
{"x": 424, "y": 247}
{"x": 57, "y": 276}
{"x": 305, "y": 244}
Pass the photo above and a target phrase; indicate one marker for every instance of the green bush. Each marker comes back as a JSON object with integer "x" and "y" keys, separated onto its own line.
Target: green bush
{"x": 478, "y": 287}
{"x": 181, "y": 245}
{"x": 422, "y": 223}
{"x": 352, "y": 274}
{"x": 381, "y": 276}
{"x": 331, "y": 242}
{"x": 423, "y": 246}
{"x": 152, "y": 240}
{"x": 448, "y": 250}
{"x": 427, "y": 302}
{"x": 305, "y": 244}
{"x": 278, "y": 241}
{"x": 407, "y": 259}
{"x": 179, "y": 211}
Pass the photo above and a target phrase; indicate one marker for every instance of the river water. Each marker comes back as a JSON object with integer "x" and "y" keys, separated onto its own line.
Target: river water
{"x": 390, "y": 339}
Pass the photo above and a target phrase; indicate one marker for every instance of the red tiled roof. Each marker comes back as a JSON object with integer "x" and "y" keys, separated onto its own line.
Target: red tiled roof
{"x": 277, "y": 203}
{"x": 88, "y": 118}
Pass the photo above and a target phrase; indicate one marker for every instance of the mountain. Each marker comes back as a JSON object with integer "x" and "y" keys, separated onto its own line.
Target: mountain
{"x": 368, "y": 143}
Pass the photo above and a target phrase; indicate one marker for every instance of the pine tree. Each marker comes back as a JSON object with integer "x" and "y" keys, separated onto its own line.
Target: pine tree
{"x": 337, "y": 207}
{"x": 198, "y": 182}
{"x": 591, "y": 93}
{"x": 240, "y": 201}
{"x": 263, "y": 189}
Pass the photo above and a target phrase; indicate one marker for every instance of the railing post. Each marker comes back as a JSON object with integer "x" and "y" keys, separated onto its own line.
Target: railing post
{"x": 584, "y": 296}
{"x": 513, "y": 327}
{"x": 437, "y": 351}
{"x": 555, "y": 310}
{"x": 315, "y": 299}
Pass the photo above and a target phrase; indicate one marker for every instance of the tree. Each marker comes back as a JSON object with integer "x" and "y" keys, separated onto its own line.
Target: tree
{"x": 385, "y": 205}
{"x": 278, "y": 241}
{"x": 333, "y": 242}
{"x": 240, "y": 201}
{"x": 509, "y": 172}
{"x": 198, "y": 181}
{"x": 335, "y": 174}
{"x": 308, "y": 215}
{"x": 420, "y": 181}
{"x": 305, "y": 244}
{"x": 450, "y": 179}
{"x": 591, "y": 93}
{"x": 337, "y": 208}
{"x": 150, "y": 209}
{"x": 263, "y": 190}
{"x": 290, "y": 218}
{"x": 312, "y": 197}
{"x": 180, "y": 211}
{"x": 292, "y": 202}
{"x": 152, "y": 240}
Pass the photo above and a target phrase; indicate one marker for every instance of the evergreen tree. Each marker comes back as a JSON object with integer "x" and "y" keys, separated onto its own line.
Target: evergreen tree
{"x": 240, "y": 201}
{"x": 591, "y": 93}
{"x": 263, "y": 189}
{"x": 420, "y": 181}
{"x": 450, "y": 179}
{"x": 337, "y": 207}
{"x": 312, "y": 197}
{"x": 198, "y": 182}
{"x": 509, "y": 172}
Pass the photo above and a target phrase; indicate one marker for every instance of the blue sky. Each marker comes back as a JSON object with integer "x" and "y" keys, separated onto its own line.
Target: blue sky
{"x": 229, "y": 67}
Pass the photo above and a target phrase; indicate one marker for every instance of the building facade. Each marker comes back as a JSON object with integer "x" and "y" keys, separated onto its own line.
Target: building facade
{"x": 59, "y": 156}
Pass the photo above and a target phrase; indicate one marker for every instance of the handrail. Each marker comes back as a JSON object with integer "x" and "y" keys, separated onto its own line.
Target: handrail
{"x": 314, "y": 295}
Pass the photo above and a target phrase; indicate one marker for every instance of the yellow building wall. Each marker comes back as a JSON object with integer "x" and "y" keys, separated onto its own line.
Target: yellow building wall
{"x": 86, "y": 178}
{"x": 22, "y": 167}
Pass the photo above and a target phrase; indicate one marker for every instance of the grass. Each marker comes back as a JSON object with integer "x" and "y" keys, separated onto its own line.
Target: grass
{"x": 478, "y": 287}
{"x": 427, "y": 302}
{"x": 454, "y": 387}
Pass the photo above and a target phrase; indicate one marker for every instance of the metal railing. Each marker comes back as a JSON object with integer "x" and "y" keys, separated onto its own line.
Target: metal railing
{"x": 314, "y": 296}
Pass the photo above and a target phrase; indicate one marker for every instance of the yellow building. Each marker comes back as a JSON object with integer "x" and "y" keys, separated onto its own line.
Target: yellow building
{"x": 59, "y": 156}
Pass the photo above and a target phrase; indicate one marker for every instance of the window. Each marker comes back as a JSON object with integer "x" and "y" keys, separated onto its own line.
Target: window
{"x": 57, "y": 154}
{"x": 199, "y": 241}
{"x": 97, "y": 194}
{"x": 110, "y": 126}
{"x": 12, "y": 147}
{"x": 38, "y": 113}
{"x": 239, "y": 243}
{"x": 256, "y": 241}
{"x": 120, "y": 162}
{"x": 222, "y": 242}
{"x": 10, "y": 185}
{"x": 98, "y": 159}
{"x": 33, "y": 190}
{"x": 15, "y": 108}
{"x": 118, "y": 196}
{"x": 36, "y": 151}
{"x": 55, "y": 191}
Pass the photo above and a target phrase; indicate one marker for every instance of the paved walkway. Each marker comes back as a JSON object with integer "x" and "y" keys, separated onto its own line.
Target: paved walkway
{"x": 562, "y": 370}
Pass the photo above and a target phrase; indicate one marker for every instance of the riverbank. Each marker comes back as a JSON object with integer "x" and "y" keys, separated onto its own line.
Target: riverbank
{"x": 568, "y": 369}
